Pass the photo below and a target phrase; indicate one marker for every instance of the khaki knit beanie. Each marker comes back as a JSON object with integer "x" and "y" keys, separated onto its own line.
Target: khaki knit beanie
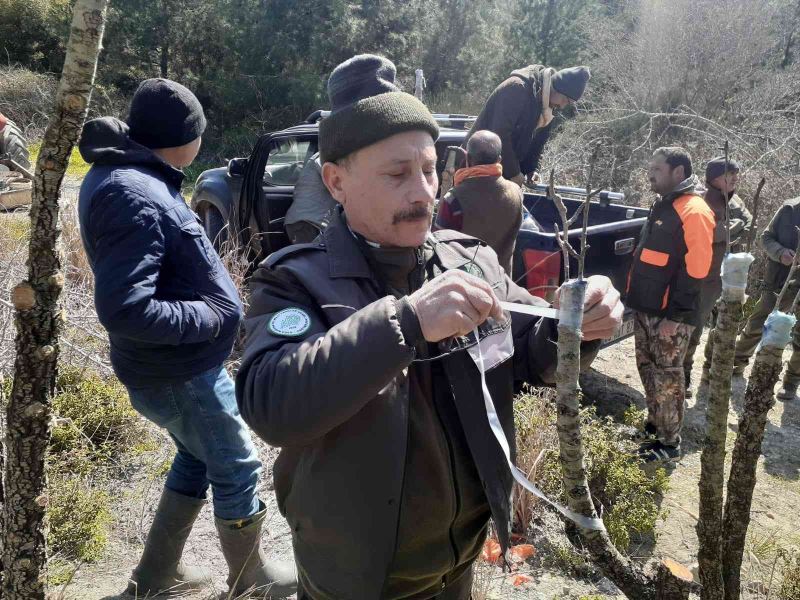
{"x": 367, "y": 107}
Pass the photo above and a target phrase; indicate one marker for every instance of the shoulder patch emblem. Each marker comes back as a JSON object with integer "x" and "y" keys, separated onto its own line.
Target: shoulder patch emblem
{"x": 472, "y": 269}
{"x": 290, "y": 322}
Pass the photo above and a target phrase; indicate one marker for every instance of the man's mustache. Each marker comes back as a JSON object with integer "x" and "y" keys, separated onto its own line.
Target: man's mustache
{"x": 416, "y": 213}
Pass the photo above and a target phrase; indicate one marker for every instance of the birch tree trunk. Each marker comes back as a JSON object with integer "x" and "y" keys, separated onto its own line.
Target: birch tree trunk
{"x": 712, "y": 460}
{"x": 38, "y": 319}
{"x": 759, "y": 399}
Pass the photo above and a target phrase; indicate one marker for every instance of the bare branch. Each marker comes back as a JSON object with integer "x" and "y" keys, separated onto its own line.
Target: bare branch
{"x": 755, "y": 205}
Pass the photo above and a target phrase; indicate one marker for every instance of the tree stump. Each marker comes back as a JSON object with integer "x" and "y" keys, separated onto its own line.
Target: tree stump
{"x": 673, "y": 581}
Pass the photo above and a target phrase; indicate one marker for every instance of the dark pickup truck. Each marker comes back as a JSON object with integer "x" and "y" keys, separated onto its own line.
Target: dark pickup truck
{"x": 251, "y": 195}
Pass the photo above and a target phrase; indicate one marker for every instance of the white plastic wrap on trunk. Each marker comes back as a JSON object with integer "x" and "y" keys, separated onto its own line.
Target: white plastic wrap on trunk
{"x": 570, "y": 304}
{"x": 777, "y": 330}
{"x": 735, "y": 269}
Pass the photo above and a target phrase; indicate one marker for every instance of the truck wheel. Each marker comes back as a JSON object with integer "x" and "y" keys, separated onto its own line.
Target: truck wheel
{"x": 216, "y": 227}
{"x": 12, "y": 142}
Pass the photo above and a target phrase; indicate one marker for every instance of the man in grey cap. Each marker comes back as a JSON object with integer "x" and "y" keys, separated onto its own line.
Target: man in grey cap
{"x": 721, "y": 185}
{"x": 520, "y": 111}
{"x": 360, "y": 363}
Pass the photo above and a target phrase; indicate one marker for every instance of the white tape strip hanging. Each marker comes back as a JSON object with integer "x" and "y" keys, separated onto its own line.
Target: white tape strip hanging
{"x": 519, "y": 476}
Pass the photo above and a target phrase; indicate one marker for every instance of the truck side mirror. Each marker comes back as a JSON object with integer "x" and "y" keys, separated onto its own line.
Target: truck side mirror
{"x": 454, "y": 158}
{"x": 237, "y": 166}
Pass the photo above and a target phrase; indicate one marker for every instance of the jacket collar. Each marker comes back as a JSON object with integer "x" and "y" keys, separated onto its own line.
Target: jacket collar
{"x": 690, "y": 185}
{"x": 716, "y": 195}
{"x": 345, "y": 258}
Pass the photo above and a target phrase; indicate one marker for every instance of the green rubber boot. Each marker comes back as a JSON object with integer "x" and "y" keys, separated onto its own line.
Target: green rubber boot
{"x": 249, "y": 570}
{"x": 160, "y": 570}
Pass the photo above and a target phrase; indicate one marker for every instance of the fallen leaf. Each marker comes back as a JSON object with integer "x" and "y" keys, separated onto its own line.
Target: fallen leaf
{"x": 521, "y": 579}
{"x": 491, "y": 551}
{"x": 522, "y": 552}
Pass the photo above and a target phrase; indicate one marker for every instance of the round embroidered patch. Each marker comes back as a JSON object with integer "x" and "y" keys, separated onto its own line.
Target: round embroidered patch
{"x": 472, "y": 269}
{"x": 290, "y": 322}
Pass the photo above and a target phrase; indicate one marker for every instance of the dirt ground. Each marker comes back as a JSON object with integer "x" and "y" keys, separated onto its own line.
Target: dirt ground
{"x": 612, "y": 385}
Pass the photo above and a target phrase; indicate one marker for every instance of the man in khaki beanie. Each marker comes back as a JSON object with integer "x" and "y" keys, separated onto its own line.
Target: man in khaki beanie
{"x": 357, "y": 364}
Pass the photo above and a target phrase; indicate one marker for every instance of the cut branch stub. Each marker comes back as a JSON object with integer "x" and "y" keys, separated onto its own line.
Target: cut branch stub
{"x": 673, "y": 581}
{"x": 23, "y": 296}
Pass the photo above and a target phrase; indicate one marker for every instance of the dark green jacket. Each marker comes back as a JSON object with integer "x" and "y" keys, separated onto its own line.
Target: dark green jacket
{"x": 512, "y": 112}
{"x": 335, "y": 398}
{"x": 780, "y": 234}
{"x": 740, "y": 221}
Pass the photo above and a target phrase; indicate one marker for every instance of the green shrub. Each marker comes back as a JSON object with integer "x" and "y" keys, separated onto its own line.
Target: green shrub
{"x": 79, "y": 518}
{"x": 626, "y": 492}
{"x": 95, "y": 425}
{"x": 93, "y": 411}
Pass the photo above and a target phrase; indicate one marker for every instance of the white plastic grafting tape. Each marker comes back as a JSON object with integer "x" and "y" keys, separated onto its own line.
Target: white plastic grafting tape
{"x": 777, "y": 330}
{"x": 570, "y": 304}
{"x": 735, "y": 268}
{"x": 519, "y": 476}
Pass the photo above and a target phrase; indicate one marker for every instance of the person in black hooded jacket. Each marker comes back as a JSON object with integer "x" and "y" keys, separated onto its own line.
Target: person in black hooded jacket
{"x": 172, "y": 313}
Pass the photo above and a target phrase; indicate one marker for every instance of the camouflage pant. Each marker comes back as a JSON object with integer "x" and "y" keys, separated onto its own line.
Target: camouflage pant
{"x": 660, "y": 363}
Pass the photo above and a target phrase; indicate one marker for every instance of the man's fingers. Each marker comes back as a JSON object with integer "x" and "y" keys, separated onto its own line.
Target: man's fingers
{"x": 601, "y": 299}
{"x": 602, "y": 330}
{"x": 464, "y": 324}
{"x": 466, "y": 310}
{"x": 481, "y": 295}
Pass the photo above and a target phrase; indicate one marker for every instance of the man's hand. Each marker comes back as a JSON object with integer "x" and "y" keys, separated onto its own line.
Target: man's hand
{"x": 453, "y": 304}
{"x": 667, "y": 328}
{"x": 602, "y": 309}
{"x": 787, "y": 257}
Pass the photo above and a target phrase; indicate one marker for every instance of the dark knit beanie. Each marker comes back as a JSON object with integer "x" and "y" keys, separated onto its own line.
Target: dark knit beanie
{"x": 571, "y": 82}
{"x": 716, "y": 167}
{"x": 367, "y": 107}
{"x": 164, "y": 114}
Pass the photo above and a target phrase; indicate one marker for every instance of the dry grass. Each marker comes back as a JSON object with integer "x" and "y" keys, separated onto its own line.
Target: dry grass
{"x": 84, "y": 343}
{"x": 26, "y": 98}
{"x": 535, "y": 435}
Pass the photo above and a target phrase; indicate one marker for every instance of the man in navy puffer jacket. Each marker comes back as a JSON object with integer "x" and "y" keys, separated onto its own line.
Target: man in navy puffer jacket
{"x": 172, "y": 314}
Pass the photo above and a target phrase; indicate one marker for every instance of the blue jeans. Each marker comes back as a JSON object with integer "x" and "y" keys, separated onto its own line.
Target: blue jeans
{"x": 214, "y": 445}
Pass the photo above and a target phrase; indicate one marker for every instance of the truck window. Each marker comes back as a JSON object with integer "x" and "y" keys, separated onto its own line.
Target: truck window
{"x": 287, "y": 157}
